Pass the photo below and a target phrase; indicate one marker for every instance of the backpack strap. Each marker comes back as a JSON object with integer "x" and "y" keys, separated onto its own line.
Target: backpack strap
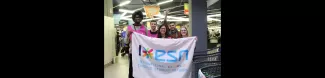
{"x": 132, "y": 26}
{"x": 146, "y": 30}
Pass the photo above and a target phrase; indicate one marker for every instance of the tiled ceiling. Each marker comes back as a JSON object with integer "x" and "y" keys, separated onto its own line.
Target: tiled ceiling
{"x": 177, "y": 10}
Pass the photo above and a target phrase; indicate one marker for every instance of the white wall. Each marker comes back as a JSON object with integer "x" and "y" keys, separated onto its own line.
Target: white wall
{"x": 109, "y": 39}
{"x": 109, "y": 32}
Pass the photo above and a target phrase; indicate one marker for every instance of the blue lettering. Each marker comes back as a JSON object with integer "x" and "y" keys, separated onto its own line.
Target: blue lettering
{"x": 181, "y": 54}
{"x": 157, "y": 56}
{"x": 171, "y": 53}
{"x": 174, "y": 57}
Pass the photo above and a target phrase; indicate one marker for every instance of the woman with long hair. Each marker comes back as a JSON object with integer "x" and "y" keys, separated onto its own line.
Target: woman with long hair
{"x": 162, "y": 31}
{"x": 184, "y": 32}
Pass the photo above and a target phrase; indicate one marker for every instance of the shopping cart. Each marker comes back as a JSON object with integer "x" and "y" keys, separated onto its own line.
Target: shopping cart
{"x": 208, "y": 62}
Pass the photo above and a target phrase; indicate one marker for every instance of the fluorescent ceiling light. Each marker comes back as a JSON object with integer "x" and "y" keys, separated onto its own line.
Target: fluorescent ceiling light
{"x": 212, "y": 19}
{"x": 131, "y": 15}
{"x": 179, "y": 18}
{"x": 175, "y": 12}
{"x": 151, "y": 19}
{"x": 161, "y": 16}
{"x": 124, "y": 13}
{"x": 138, "y": 9}
{"x": 174, "y": 20}
{"x": 160, "y": 3}
{"x": 215, "y": 15}
{"x": 129, "y": 11}
{"x": 124, "y": 3}
{"x": 123, "y": 10}
{"x": 125, "y": 18}
{"x": 209, "y": 19}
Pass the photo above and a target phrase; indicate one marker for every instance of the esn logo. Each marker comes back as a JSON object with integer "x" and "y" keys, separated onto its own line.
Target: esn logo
{"x": 175, "y": 55}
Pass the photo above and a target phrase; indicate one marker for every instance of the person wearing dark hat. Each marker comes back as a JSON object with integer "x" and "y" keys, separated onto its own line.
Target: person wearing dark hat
{"x": 136, "y": 27}
{"x": 117, "y": 40}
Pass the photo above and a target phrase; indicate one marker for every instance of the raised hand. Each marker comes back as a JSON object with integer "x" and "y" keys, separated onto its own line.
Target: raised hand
{"x": 166, "y": 13}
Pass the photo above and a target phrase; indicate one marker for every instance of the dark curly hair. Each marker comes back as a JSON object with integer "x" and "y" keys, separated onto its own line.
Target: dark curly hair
{"x": 137, "y": 13}
{"x": 167, "y": 30}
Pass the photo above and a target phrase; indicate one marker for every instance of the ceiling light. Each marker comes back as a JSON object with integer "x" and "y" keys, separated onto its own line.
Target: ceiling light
{"x": 124, "y": 3}
{"x": 215, "y": 15}
{"x": 123, "y": 10}
{"x": 174, "y": 20}
{"x": 160, "y": 3}
{"x": 210, "y": 19}
{"x": 138, "y": 9}
{"x": 175, "y": 11}
{"x": 124, "y": 13}
{"x": 129, "y": 11}
{"x": 179, "y": 18}
{"x": 125, "y": 18}
{"x": 151, "y": 19}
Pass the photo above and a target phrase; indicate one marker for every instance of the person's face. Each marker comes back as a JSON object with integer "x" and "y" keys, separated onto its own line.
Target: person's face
{"x": 172, "y": 26}
{"x": 183, "y": 31}
{"x": 163, "y": 30}
{"x": 137, "y": 19}
{"x": 153, "y": 25}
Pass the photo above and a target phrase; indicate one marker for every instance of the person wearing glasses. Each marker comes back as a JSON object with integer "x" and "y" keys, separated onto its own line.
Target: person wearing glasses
{"x": 184, "y": 32}
{"x": 162, "y": 31}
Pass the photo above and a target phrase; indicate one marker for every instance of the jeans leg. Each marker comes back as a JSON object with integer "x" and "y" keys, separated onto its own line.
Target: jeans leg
{"x": 130, "y": 67}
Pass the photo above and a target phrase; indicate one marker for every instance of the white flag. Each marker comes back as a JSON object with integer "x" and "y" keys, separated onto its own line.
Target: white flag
{"x": 162, "y": 58}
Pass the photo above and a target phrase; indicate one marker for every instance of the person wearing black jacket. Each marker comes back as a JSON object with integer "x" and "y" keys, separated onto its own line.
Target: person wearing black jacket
{"x": 117, "y": 40}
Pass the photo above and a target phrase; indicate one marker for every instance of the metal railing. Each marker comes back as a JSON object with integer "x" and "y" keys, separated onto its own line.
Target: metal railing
{"x": 209, "y": 62}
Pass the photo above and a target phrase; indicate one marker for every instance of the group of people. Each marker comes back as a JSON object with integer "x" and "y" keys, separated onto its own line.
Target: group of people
{"x": 166, "y": 30}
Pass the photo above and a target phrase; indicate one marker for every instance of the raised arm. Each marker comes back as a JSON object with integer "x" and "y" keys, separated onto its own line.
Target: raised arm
{"x": 165, "y": 19}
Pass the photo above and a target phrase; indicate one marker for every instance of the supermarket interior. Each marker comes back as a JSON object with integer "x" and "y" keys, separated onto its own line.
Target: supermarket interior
{"x": 201, "y": 17}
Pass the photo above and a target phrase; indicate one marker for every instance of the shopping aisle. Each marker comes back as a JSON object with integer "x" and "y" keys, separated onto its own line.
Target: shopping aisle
{"x": 118, "y": 70}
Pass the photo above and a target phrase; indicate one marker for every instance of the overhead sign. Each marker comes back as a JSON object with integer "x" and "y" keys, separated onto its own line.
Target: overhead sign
{"x": 186, "y": 12}
{"x": 151, "y": 10}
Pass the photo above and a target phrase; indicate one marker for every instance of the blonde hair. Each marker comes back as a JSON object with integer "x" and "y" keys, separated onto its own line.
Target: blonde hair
{"x": 186, "y": 30}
